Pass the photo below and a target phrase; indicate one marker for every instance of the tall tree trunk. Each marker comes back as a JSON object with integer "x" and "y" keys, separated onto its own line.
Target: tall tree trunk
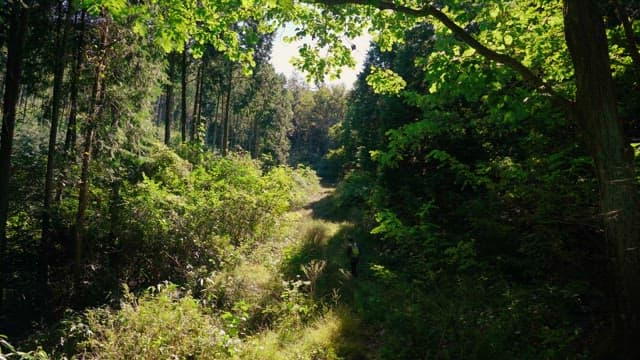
{"x": 255, "y": 146}
{"x": 225, "y": 124}
{"x": 214, "y": 136}
{"x": 71, "y": 135}
{"x": 96, "y": 109}
{"x": 72, "y": 127}
{"x": 24, "y": 101}
{"x": 195, "y": 121}
{"x": 199, "y": 114}
{"x": 15, "y": 44}
{"x": 183, "y": 97}
{"x": 168, "y": 110}
{"x": 58, "y": 74}
{"x": 613, "y": 157}
{"x": 157, "y": 111}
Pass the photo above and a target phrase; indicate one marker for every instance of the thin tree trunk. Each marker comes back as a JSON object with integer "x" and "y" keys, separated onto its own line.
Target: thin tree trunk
{"x": 256, "y": 137}
{"x": 72, "y": 127}
{"x": 225, "y": 125}
{"x": 24, "y": 101}
{"x": 613, "y": 157}
{"x": 232, "y": 135}
{"x": 15, "y": 45}
{"x": 199, "y": 114}
{"x": 195, "y": 121}
{"x": 114, "y": 218}
{"x": 214, "y": 136}
{"x": 70, "y": 138}
{"x": 83, "y": 195}
{"x": 158, "y": 111}
{"x": 168, "y": 110}
{"x": 183, "y": 97}
{"x": 59, "y": 65}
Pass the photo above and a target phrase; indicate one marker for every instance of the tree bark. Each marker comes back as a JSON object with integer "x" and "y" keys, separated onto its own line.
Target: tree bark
{"x": 255, "y": 143}
{"x": 214, "y": 135}
{"x": 168, "y": 110}
{"x": 58, "y": 69}
{"x": 225, "y": 124}
{"x": 613, "y": 157}
{"x": 72, "y": 127}
{"x": 16, "y": 32}
{"x": 183, "y": 97}
{"x": 96, "y": 109}
{"x": 195, "y": 120}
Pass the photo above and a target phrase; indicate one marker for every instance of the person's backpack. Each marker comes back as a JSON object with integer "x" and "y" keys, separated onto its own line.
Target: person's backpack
{"x": 355, "y": 251}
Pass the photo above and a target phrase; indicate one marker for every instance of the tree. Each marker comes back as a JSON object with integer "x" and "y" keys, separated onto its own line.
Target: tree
{"x": 225, "y": 121}
{"x": 183, "y": 96}
{"x": 95, "y": 111}
{"x": 593, "y": 109}
{"x": 62, "y": 28}
{"x": 71, "y": 135}
{"x": 18, "y": 16}
{"x": 168, "y": 107}
{"x": 315, "y": 111}
{"x": 197, "y": 101}
{"x": 595, "y": 112}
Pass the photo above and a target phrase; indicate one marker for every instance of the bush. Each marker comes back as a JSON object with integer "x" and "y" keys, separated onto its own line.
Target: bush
{"x": 183, "y": 218}
{"x": 160, "y": 324}
{"x": 8, "y": 351}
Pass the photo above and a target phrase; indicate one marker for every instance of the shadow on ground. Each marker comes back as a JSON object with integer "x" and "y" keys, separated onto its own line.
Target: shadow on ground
{"x": 330, "y": 208}
{"x": 374, "y": 308}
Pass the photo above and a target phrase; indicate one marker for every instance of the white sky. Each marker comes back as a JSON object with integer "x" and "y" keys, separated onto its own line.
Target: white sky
{"x": 283, "y": 52}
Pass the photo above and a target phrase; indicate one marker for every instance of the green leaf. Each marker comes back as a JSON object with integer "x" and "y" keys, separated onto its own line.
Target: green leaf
{"x": 385, "y": 81}
{"x": 469, "y": 52}
{"x": 286, "y": 5}
{"x": 508, "y": 40}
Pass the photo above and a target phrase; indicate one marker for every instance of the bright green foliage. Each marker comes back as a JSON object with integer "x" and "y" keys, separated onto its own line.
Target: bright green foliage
{"x": 475, "y": 200}
{"x": 325, "y": 52}
{"x": 177, "y": 229}
{"x": 265, "y": 102}
{"x": 192, "y": 213}
{"x": 315, "y": 341}
{"x": 478, "y": 193}
{"x": 314, "y": 113}
{"x": 174, "y": 23}
{"x": 162, "y": 323}
{"x": 385, "y": 81}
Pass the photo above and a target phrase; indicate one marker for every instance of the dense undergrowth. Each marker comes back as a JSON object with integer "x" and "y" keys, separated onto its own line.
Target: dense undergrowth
{"x": 223, "y": 259}
{"x": 200, "y": 226}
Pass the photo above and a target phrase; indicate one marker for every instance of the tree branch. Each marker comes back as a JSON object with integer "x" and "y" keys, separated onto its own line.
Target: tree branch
{"x": 529, "y": 76}
{"x": 632, "y": 47}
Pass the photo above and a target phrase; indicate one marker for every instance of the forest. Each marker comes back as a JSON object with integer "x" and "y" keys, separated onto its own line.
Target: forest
{"x": 166, "y": 193}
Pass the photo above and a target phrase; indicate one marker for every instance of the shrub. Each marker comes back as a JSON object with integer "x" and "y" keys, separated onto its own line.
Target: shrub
{"x": 8, "y": 352}
{"x": 160, "y": 324}
{"x": 182, "y": 218}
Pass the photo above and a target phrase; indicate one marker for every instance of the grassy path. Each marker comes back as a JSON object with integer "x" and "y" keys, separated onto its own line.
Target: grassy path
{"x": 349, "y": 318}
{"x": 333, "y": 329}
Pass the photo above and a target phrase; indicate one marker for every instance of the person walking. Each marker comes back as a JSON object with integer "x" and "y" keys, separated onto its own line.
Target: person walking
{"x": 353, "y": 252}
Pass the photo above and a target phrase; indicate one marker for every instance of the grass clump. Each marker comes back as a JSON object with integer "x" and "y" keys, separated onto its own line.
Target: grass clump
{"x": 315, "y": 341}
{"x": 160, "y": 324}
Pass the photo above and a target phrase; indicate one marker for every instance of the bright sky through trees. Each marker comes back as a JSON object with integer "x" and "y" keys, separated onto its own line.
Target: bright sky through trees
{"x": 283, "y": 52}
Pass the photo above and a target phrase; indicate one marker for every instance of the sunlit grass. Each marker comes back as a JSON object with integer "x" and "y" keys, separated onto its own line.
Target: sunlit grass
{"x": 322, "y": 339}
